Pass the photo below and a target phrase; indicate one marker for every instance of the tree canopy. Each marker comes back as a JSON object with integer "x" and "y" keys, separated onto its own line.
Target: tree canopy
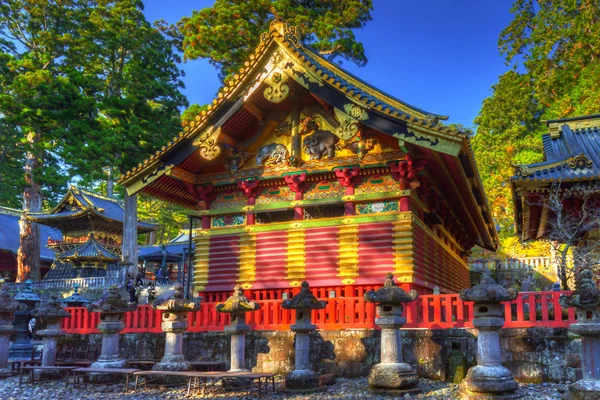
{"x": 229, "y": 31}
{"x": 552, "y": 49}
{"x": 86, "y": 87}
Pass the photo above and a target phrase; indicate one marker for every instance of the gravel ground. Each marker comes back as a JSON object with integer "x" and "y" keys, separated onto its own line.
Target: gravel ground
{"x": 343, "y": 389}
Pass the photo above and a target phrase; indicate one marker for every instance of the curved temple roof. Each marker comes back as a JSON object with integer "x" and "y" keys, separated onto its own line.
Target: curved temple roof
{"x": 572, "y": 155}
{"x": 329, "y": 84}
{"x": 571, "y": 150}
{"x": 78, "y": 202}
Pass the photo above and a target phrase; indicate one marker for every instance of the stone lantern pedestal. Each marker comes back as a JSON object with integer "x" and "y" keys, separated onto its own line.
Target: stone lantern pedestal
{"x": 586, "y": 300}
{"x": 391, "y": 376}
{"x": 489, "y": 379}
{"x": 302, "y": 378}
{"x": 22, "y": 347}
{"x": 53, "y": 313}
{"x": 112, "y": 309}
{"x": 174, "y": 323}
{"x": 237, "y": 305}
{"x": 7, "y": 307}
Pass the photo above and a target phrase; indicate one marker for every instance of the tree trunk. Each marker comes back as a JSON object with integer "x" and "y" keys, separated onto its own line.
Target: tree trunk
{"x": 564, "y": 282}
{"x": 129, "y": 247}
{"x": 28, "y": 256}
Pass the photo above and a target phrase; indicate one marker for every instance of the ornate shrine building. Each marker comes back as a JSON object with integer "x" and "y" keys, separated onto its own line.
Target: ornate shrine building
{"x": 92, "y": 228}
{"x": 301, "y": 171}
{"x": 571, "y": 156}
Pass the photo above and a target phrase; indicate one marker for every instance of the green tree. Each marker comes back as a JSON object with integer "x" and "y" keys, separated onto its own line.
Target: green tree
{"x": 170, "y": 218}
{"x": 87, "y": 87}
{"x": 38, "y": 103}
{"x": 553, "y": 48}
{"x": 229, "y": 31}
{"x": 133, "y": 82}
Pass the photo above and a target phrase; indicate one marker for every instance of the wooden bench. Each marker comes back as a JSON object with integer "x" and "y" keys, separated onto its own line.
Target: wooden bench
{"x": 78, "y": 372}
{"x": 157, "y": 374}
{"x": 208, "y": 365}
{"x": 32, "y": 368}
{"x": 213, "y": 377}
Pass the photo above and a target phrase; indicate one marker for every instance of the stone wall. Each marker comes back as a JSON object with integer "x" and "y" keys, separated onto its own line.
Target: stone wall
{"x": 533, "y": 355}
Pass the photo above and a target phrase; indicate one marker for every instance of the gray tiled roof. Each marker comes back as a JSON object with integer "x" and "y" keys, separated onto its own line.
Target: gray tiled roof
{"x": 571, "y": 155}
{"x": 9, "y": 234}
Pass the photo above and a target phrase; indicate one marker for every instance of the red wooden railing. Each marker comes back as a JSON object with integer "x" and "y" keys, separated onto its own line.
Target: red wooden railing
{"x": 442, "y": 311}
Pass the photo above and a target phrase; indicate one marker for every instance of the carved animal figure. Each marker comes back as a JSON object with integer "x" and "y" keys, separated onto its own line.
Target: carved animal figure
{"x": 319, "y": 144}
{"x": 270, "y": 154}
{"x": 361, "y": 146}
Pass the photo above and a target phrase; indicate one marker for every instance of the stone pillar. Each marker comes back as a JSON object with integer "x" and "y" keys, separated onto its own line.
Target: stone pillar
{"x": 392, "y": 376}
{"x": 237, "y": 305}
{"x": 112, "y": 309}
{"x": 7, "y": 307}
{"x": 586, "y": 300}
{"x": 129, "y": 248}
{"x": 53, "y": 313}
{"x": 22, "y": 347}
{"x": 489, "y": 379}
{"x": 174, "y": 323}
{"x": 302, "y": 378}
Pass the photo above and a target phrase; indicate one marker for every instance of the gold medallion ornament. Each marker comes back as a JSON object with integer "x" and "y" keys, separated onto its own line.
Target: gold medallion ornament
{"x": 277, "y": 90}
{"x": 207, "y": 141}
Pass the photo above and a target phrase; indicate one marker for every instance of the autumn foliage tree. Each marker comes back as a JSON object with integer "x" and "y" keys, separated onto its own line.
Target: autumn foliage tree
{"x": 553, "y": 51}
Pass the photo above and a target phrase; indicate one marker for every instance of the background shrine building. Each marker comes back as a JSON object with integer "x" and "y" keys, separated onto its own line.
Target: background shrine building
{"x": 92, "y": 235}
{"x": 301, "y": 171}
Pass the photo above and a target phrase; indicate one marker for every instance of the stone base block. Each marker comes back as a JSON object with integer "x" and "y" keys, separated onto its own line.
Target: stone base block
{"x": 493, "y": 380}
{"x": 392, "y": 376}
{"x": 304, "y": 379}
{"x": 170, "y": 366}
{"x": 393, "y": 392}
{"x": 466, "y": 394}
{"x": 106, "y": 378}
{"x": 584, "y": 390}
{"x": 4, "y": 372}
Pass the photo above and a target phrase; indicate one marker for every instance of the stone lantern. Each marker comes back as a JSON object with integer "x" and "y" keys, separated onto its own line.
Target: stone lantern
{"x": 489, "y": 379}
{"x": 586, "y": 300}
{"x": 53, "y": 313}
{"x": 174, "y": 322}
{"x": 391, "y": 376}
{"x": 76, "y": 299}
{"x": 302, "y": 377}
{"x": 237, "y": 305}
{"x": 112, "y": 309}
{"x": 7, "y": 307}
{"x": 22, "y": 347}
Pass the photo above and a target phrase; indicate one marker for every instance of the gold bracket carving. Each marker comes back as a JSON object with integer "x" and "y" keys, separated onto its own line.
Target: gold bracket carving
{"x": 209, "y": 148}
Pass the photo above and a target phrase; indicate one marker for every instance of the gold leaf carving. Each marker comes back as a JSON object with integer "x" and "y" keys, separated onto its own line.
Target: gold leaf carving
{"x": 209, "y": 148}
{"x": 278, "y": 90}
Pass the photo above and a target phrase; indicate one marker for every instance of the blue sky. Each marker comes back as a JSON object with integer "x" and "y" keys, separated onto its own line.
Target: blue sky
{"x": 438, "y": 55}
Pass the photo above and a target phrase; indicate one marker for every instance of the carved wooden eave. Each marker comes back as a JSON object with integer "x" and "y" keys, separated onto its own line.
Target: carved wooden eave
{"x": 280, "y": 61}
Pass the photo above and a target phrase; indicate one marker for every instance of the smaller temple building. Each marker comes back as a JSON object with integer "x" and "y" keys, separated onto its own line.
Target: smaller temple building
{"x": 9, "y": 243}
{"x": 92, "y": 232}
{"x": 571, "y": 157}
